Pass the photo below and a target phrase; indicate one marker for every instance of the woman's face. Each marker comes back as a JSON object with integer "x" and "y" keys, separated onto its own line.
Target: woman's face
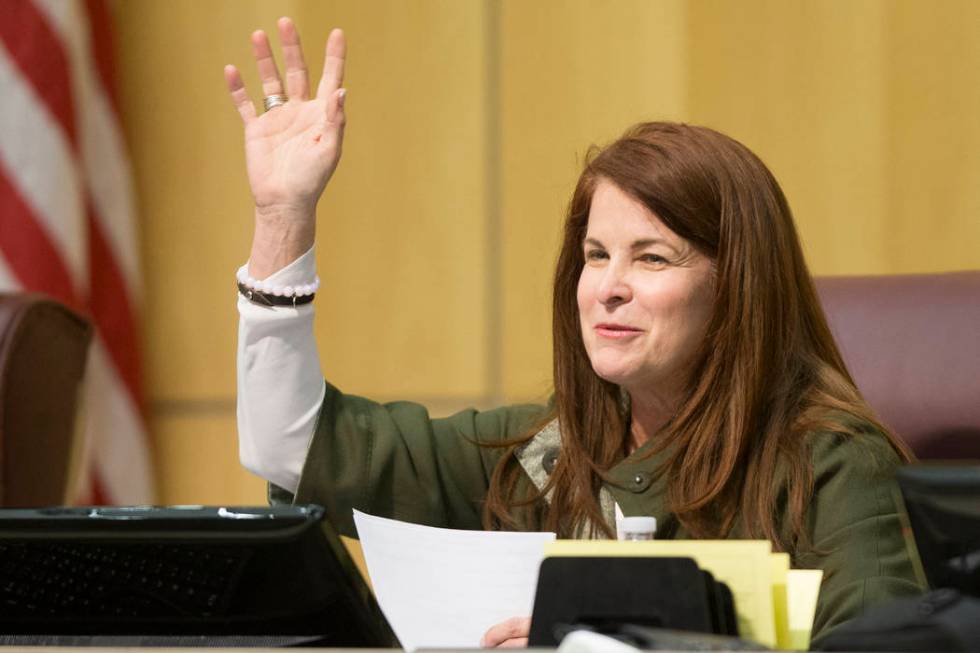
{"x": 644, "y": 298}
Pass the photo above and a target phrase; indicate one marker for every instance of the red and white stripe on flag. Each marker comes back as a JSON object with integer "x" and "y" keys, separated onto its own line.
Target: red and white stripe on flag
{"x": 67, "y": 223}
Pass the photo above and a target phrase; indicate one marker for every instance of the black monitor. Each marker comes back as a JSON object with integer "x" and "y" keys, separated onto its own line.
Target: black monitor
{"x": 189, "y": 575}
{"x": 942, "y": 502}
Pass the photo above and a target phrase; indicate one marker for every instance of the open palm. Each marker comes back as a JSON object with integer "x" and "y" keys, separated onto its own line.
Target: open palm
{"x": 292, "y": 149}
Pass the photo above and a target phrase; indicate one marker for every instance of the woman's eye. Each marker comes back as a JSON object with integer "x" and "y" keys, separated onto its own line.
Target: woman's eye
{"x": 652, "y": 258}
{"x": 595, "y": 255}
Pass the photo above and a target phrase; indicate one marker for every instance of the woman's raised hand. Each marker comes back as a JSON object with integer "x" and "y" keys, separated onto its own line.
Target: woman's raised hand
{"x": 291, "y": 150}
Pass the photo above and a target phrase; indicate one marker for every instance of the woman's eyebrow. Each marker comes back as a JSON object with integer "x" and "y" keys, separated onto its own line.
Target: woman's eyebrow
{"x": 646, "y": 242}
{"x": 637, "y": 244}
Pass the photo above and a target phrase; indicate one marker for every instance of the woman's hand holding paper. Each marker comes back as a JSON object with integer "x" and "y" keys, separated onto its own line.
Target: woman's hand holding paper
{"x": 511, "y": 633}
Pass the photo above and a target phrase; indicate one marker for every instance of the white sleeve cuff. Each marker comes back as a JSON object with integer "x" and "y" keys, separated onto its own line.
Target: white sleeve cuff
{"x": 299, "y": 272}
{"x": 280, "y": 385}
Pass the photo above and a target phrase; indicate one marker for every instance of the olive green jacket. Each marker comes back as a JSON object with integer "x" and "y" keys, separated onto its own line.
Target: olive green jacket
{"x": 394, "y": 460}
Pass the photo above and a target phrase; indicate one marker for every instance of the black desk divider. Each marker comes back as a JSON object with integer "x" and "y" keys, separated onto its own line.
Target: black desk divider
{"x": 942, "y": 507}
{"x": 182, "y": 576}
{"x": 604, "y": 594}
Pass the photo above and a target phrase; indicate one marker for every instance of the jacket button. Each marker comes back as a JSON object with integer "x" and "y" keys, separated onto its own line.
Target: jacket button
{"x": 640, "y": 482}
{"x": 549, "y": 460}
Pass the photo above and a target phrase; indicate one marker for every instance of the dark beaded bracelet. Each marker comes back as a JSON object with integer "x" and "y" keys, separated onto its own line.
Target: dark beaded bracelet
{"x": 268, "y": 299}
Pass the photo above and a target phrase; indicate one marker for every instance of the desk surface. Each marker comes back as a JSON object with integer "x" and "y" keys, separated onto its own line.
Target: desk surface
{"x": 121, "y": 649}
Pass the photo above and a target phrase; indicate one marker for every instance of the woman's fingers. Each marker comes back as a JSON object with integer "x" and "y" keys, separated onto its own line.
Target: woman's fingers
{"x": 236, "y": 87}
{"x": 333, "y": 64}
{"x": 268, "y": 73}
{"x": 517, "y": 642}
{"x": 297, "y": 78}
{"x": 510, "y": 633}
{"x": 335, "y": 108}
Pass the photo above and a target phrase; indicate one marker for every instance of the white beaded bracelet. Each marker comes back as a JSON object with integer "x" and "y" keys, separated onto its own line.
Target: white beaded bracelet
{"x": 268, "y": 294}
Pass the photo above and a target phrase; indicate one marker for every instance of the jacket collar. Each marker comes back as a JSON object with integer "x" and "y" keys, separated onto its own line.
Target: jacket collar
{"x": 538, "y": 458}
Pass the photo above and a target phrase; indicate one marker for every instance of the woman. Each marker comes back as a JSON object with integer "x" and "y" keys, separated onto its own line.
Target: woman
{"x": 695, "y": 377}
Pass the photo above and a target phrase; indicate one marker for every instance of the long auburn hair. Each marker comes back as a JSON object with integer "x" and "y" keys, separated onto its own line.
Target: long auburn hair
{"x": 768, "y": 371}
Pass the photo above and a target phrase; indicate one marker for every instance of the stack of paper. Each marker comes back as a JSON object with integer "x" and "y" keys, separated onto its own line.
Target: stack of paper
{"x": 442, "y": 588}
{"x": 774, "y": 604}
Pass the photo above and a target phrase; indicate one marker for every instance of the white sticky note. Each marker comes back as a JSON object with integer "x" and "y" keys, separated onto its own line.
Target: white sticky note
{"x": 802, "y": 589}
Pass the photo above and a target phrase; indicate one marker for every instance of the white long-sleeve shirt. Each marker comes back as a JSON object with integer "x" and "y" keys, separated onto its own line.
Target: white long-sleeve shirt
{"x": 280, "y": 385}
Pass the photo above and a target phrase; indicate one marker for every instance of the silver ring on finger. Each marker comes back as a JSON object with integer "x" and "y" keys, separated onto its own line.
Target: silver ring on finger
{"x": 272, "y": 101}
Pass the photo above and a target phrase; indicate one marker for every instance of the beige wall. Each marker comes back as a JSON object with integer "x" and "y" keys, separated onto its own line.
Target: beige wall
{"x": 468, "y": 121}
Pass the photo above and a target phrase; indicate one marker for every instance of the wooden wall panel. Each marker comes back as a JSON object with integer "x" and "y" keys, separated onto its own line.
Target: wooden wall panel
{"x": 572, "y": 74}
{"x": 403, "y": 308}
{"x": 801, "y": 83}
{"x": 194, "y": 212}
{"x": 197, "y": 456}
{"x": 865, "y": 111}
{"x": 933, "y": 151}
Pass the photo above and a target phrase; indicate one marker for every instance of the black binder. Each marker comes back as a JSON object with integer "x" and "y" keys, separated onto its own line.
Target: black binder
{"x": 604, "y": 594}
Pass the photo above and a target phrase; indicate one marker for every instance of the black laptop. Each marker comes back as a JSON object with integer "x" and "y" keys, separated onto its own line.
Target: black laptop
{"x": 182, "y": 576}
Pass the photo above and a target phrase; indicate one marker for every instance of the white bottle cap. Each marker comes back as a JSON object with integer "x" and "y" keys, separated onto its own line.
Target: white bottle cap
{"x": 638, "y": 525}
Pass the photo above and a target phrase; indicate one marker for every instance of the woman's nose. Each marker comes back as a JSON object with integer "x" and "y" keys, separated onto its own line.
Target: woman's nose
{"x": 614, "y": 287}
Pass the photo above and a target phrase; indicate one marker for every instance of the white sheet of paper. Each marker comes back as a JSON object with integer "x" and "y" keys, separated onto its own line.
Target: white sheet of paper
{"x": 442, "y": 588}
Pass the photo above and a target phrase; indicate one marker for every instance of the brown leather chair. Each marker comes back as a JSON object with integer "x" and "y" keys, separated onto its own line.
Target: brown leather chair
{"x": 912, "y": 343}
{"x": 43, "y": 349}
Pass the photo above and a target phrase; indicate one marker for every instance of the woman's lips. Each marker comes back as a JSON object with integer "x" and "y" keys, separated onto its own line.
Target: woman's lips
{"x": 616, "y": 331}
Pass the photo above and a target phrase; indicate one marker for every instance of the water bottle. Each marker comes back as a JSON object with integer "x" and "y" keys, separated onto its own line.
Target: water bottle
{"x": 637, "y": 528}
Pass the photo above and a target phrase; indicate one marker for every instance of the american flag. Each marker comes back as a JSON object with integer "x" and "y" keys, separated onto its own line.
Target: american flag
{"x": 67, "y": 222}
